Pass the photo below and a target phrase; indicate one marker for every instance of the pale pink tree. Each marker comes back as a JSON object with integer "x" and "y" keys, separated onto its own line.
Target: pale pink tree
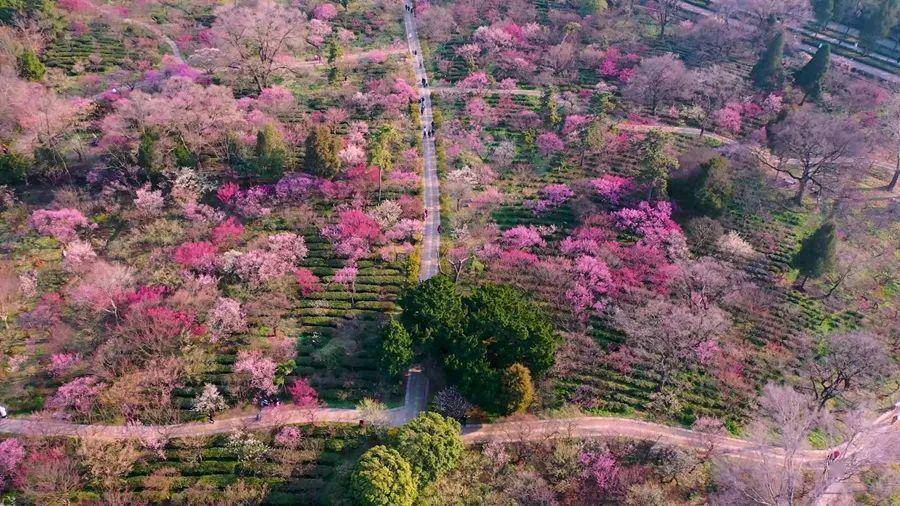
{"x": 226, "y": 318}
{"x": 61, "y": 224}
{"x": 257, "y": 40}
{"x": 258, "y": 373}
{"x": 659, "y": 81}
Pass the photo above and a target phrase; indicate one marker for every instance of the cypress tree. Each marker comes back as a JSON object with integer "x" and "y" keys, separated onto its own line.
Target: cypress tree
{"x": 768, "y": 74}
{"x": 322, "y": 148}
{"x": 877, "y": 20}
{"x": 817, "y": 253}
{"x": 270, "y": 152}
{"x": 396, "y": 351}
{"x": 824, "y": 11}
{"x": 809, "y": 78}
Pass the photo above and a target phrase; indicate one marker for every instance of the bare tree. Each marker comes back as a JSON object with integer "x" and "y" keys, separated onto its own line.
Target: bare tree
{"x": 767, "y": 15}
{"x": 844, "y": 362}
{"x": 773, "y": 474}
{"x": 670, "y": 334}
{"x": 659, "y": 80}
{"x": 782, "y": 471}
{"x": 257, "y": 39}
{"x": 663, "y": 12}
{"x": 811, "y": 147}
{"x": 714, "y": 87}
{"x": 890, "y": 133}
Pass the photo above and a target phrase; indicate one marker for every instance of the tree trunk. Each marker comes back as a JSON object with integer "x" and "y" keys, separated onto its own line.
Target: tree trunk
{"x": 801, "y": 191}
{"x": 893, "y": 184}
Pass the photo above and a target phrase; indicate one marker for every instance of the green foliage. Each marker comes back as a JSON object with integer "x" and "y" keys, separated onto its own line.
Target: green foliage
{"x": 513, "y": 328}
{"x": 13, "y": 168}
{"x": 517, "y": 389}
{"x": 431, "y": 309}
{"x": 768, "y": 73}
{"x": 713, "y": 189}
{"x": 550, "y": 107}
{"x": 817, "y": 252}
{"x": 656, "y": 161}
{"x": 183, "y": 156}
{"x": 30, "y": 66}
{"x": 384, "y": 142}
{"x": 809, "y": 78}
{"x": 430, "y": 443}
{"x": 322, "y": 148}
{"x": 147, "y": 155}
{"x": 382, "y": 477}
{"x": 591, "y": 6}
{"x": 877, "y": 20}
{"x": 396, "y": 350}
{"x": 480, "y": 335}
{"x": 270, "y": 155}
{"x": 824, "y": 10}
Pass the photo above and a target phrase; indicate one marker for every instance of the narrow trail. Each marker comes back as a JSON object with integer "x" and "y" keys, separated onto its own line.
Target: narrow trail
{"x": 431, "y": 245}
{"x": 355, "y": 57}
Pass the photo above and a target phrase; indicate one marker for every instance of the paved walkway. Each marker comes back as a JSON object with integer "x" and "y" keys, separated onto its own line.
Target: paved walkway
{"x": 431, "y": 245}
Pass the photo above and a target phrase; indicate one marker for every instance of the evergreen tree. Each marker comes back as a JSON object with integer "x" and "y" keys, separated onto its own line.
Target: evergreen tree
{"x": 713, "y": 189}
{"x": 550, "y": 107}
{"x": 809, "y": 78}
{"x": 147, "y": 156}
{"x": 824, "y": 11}
{"x": 270, "y": 152}
{"x": 768, "y": 74}
{"x": 13, "y": 168}
{"x": 30, "y": 66}
{"x": 655, "y": 163}
{"x": 396, "y": 350}
{"x": 817, "y": 253}
{"x": 432, "y": 310}
{"x": 876, "y": 22}
{"x": 322, "y": 148}
{"x": 517, "y": 390}
{"x": 382, "y": 477}
{"x": 430, "y": 443}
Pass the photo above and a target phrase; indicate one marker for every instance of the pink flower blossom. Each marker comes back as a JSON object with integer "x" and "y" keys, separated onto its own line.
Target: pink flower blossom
{"x": 59, "y": 223}
{"x": 549, "y": 143}
{"x": 260, "y": 370}
{"x": 228, "y": 232}
{"x": 613, "y": 188}
{"x": 196, "y": 255}
{"x": 308, "y": 282}
{"x": 78, "y": 395}
{"x": 325, "y": 11}
{"x": 303, "y": 395}
{"x": 61, "y": 363}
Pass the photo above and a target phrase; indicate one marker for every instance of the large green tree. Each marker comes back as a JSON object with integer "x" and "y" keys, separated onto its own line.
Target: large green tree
{"x": 396, "y": 351}
{"x": 655, "y": 162}
{"x": 517, "y": 389}
{"x": 810, "y": 77}
{"x": 768, "y": 73}
{"x": 512, "y": 328}
{"x": 817, "y": 253}
{"x": 432, "y": 309}
{"x": 322, "y": 152}
{"x": 430, "y": 443}
{"x": 382, "y": 477}
{"x": 713, "y": 189}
